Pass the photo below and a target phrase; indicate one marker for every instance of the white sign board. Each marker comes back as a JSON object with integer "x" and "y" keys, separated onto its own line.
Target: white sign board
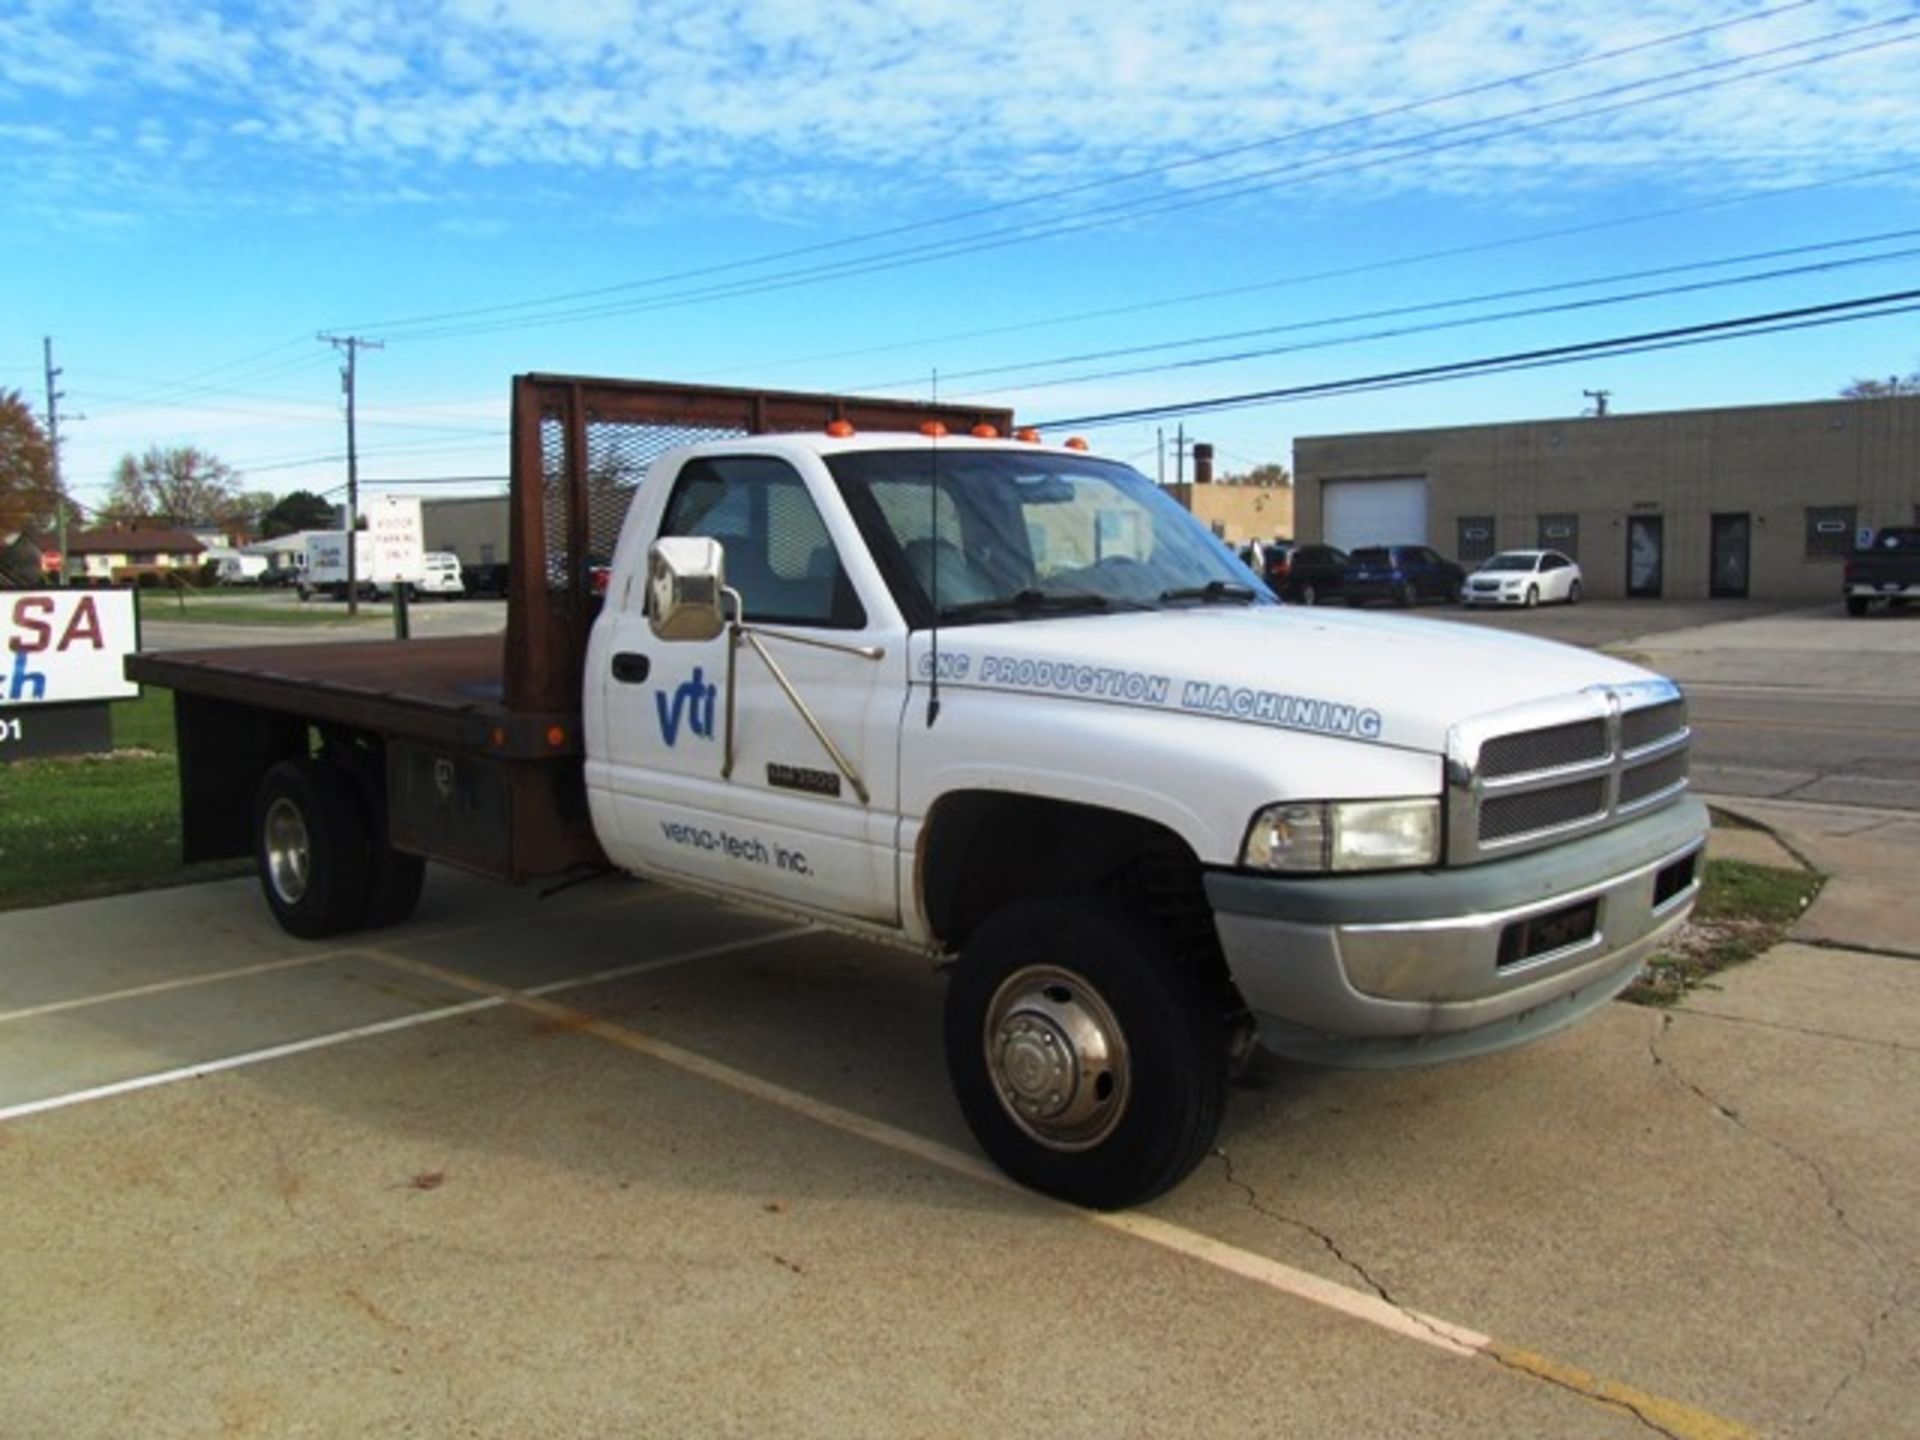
{"x": 394, "y": 548}
{"x": 62, "y": 646}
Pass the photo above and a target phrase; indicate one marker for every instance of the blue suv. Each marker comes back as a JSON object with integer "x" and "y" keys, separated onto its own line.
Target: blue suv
{"x": 1402, "y": 575}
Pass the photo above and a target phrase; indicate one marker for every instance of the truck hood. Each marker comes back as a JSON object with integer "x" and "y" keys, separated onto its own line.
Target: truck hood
{"x": 1378, "y": 679}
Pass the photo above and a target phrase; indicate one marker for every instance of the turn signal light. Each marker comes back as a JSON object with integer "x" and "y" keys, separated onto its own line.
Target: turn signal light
{"x": 1074, "y": 442}
{"x": 840, "y": 429}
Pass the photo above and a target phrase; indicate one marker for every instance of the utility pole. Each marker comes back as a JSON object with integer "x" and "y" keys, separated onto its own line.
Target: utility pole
{"x": 1160, "y": 455}
{"x": 352, "y": 345}
{"x": 1180, "y": 454}
{"x": 1599, "y": 398}
{"x": 54, "y": 397}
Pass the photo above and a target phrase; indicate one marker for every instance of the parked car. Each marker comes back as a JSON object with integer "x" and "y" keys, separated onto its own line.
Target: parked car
{"x": 1525, "y": 577}
{"x": 1314, "y": 573}
{"x": 1402, "y": 575}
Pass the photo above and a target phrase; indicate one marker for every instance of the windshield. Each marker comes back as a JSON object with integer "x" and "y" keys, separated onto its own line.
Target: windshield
{"x": 1510, "y": 560}
{"x": 1007, "y": 535}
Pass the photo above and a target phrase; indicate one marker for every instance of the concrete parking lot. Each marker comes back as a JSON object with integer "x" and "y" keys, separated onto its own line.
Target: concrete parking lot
{"x": 619, "y": 1161}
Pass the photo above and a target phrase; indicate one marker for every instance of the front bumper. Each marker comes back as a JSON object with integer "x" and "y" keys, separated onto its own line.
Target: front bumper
{"x": 1419, "y": 967}
{"x": 1494, "y": 597}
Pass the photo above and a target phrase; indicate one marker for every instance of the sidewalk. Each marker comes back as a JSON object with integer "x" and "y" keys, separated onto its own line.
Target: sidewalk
{"x": 1871, "y": 902}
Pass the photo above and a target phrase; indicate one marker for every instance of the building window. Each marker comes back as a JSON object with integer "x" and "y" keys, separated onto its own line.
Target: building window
{"x": 1475, "y": 539}
{"x": 1562, "y": 533}
{"x": 1830, "y": 531}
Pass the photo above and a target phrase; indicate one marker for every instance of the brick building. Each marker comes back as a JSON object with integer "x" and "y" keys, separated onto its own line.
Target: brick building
{"x": 1762, "y": 501}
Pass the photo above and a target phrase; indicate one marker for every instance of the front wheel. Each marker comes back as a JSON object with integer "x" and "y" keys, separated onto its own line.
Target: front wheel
{"x": 1407, "y": 596}
{"x": 1308, "y": 595}
{"x": 1089, "y": 1060}
{"x": 1533, "y": 596}
{"x": 1857, "y": 605}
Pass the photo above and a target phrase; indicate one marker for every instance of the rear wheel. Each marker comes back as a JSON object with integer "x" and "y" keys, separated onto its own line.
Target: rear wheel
{"x": 1088, "y": 1059}
{"x": 1308, "y": 595}
{"x": 1857, "y": 605}
{"x": 1573, "y": 593}
{"x": 311, "y": 849}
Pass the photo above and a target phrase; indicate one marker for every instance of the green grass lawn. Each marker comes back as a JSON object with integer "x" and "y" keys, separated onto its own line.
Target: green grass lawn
{"x": 1744, "y": 910}
{"x": 248, "y": 607}
{"x": 90, "y": 825}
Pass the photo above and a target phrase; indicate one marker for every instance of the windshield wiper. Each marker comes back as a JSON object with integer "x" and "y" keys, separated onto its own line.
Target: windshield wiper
{"x": 1029, "y": 602}
{"x": 1211, "y": 593}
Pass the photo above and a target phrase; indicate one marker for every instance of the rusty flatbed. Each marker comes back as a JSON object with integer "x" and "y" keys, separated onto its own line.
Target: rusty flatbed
{"x": 443, "y": 692}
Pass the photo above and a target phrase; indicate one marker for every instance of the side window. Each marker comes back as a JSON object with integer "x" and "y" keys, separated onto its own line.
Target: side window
{"x": 779, "y": 555}
{"x": 1474, "y": 539}
{"x": 1830, "y": 531}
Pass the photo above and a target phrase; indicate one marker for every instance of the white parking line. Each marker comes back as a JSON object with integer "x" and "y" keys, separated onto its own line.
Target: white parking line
{"x": 251, "y": 1057}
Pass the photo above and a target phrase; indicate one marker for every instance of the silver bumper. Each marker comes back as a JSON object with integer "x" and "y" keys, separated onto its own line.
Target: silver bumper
{"x": 1413, "y": 969}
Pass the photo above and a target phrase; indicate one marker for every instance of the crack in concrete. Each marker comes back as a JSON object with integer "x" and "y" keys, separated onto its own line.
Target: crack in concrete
{"x": 1849, "y": 947}
{"x": 1695, "y": 1012}
{"x": 1516, "y": 1362}
{"x": 1830, "y": 1196}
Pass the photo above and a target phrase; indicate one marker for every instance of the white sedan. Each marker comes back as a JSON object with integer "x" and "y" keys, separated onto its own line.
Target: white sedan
{"x": 1524, "y": 577}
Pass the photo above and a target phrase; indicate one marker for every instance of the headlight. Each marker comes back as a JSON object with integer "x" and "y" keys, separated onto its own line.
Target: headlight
{"x": 1311, "y": 837}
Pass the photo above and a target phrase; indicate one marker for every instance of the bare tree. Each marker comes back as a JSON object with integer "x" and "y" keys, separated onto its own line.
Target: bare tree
{"x": 1883, "y": 389}
{"x": 181, "y": 486}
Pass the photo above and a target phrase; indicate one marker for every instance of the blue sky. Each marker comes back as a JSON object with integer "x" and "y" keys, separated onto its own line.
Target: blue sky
{"x": 1047, "y": 206}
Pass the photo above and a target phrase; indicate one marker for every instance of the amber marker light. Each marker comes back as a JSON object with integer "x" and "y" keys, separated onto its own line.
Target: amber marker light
{"x": 556, "y": 736}
{"x": 499, "y": 738}
{"x": 933, "y": 428}
{"x": 1074, "y": 442}
{"x": 985, "y": 432}
{"x": 840, "y": 429}
{"x": 1028, "y": 434}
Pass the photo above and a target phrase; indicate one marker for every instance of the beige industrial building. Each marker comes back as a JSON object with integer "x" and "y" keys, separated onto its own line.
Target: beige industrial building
{"x": 1763, "y": 501}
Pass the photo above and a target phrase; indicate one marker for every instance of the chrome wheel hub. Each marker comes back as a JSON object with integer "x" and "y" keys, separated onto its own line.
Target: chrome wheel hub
{"x": 289, "y": 851}
{"x": 1057, "y": 1057}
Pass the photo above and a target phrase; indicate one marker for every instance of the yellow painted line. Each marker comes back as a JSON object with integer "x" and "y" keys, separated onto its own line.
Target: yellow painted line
{"x": 1686, "y": 1421}
{"x": 1680, "y": 1420}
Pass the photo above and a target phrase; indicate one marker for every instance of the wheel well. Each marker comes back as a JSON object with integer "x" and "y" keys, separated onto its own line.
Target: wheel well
{"x": 982, "y": 850}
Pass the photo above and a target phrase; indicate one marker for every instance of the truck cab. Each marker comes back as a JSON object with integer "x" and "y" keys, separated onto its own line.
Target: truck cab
{"x": 1009, "y": 704}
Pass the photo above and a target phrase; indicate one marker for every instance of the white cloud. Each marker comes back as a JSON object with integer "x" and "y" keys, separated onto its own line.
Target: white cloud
{"x": 785, "y": 102}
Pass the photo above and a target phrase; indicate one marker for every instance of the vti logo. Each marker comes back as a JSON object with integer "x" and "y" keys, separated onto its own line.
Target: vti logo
{"x": 693, "y": 703}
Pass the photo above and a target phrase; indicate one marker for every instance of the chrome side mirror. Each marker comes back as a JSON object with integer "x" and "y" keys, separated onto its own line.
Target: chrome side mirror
{"x": 686, "y": 575}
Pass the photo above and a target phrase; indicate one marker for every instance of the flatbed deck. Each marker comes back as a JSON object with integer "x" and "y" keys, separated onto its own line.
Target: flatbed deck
{"x": 444, "y": 691}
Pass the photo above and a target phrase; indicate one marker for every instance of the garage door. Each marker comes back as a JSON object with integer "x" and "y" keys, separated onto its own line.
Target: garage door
{"x": 1375, "y": 512}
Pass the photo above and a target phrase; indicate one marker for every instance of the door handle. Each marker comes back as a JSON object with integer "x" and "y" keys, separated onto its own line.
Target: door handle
{"x": 631, "y": 669}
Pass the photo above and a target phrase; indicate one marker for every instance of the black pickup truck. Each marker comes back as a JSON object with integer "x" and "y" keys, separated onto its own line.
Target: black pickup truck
{"x": 1887, "y": 570}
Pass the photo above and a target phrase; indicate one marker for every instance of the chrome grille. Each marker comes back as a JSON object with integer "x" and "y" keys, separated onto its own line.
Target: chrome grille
{"x": 1544, "y": 749}
{"x": 1545, "y": 772}
{"x": 1643, "y": 782}
{"x": 1531, "y": 810}
{"x": 1641, "y": 728}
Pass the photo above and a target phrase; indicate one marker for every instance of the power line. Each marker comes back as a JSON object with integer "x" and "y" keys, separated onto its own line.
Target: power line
{"x": 1425, "y": 145}
{"x": 1431, "y": 306}
{"x": 1063, "y": 192}
{"x": 1370, "y": 267}
{"x": 1400, "y": 332}
{"x": 1863, "y": 308}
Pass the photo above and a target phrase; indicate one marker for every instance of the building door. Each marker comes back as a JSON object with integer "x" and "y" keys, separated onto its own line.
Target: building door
{"x": 1390, "y": 511}
{"x": 1731, "y": 555}
{"x": 1643, "y": 556}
